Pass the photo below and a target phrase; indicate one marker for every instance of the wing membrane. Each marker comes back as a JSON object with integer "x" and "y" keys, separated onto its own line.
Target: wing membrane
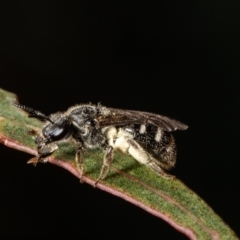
{"x": 120, "y": 117}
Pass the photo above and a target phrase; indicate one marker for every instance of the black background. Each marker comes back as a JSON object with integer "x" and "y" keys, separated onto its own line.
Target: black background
{"x": 176, "y": 58}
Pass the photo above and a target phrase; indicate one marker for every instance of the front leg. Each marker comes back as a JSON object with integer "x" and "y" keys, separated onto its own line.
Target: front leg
{"x": 34, "y": 161}
{"x": 79, "y": 161}
{"x": 44, "y": 151}
{"x": 107, "y": 160}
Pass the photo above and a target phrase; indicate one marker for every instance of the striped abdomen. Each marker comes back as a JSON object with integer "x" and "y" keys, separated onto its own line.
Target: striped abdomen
{"x": 159, "y": 143}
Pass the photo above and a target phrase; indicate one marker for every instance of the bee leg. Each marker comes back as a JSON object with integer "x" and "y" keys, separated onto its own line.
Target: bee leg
{"x": 34, "y": 161}
{"x": 107, "y": 160}
{"x": 156, "y": 168}
{"x": 41, "y": 158}
{"x": 131, "y": 147}
{"x": 79, "y": 161}
{"x": 139, "y": 154}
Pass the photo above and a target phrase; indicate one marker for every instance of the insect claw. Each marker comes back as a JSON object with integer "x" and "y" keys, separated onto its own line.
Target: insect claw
{"x": 33, "y": 161}
{"x": 81, "y": 178}
{"x": 95, "y": 184}
{"x": 81, "y": 181}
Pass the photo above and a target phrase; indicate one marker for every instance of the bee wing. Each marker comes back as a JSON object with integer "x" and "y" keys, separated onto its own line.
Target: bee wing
{"x": 120, "y": 117}
{"x": 164, "y": 122}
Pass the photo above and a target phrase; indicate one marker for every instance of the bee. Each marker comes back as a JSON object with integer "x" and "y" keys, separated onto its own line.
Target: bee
{"x": 144, "y": 136}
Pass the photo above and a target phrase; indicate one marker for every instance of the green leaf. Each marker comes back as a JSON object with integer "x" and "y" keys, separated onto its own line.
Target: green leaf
{"x": 169, "y": 199}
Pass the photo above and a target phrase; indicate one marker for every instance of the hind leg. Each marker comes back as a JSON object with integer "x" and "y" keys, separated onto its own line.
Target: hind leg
{"x": 130, "y": 147}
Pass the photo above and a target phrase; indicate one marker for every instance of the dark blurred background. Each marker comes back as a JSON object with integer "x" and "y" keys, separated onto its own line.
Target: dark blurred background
{"x": 175, "y": 58}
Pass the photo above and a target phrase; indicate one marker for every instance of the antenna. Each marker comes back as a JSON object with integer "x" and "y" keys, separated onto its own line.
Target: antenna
{"x": 33, "y": 113}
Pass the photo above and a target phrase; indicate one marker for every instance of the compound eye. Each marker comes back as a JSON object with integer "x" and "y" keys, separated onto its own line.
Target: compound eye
{"x": 59, "y": 130}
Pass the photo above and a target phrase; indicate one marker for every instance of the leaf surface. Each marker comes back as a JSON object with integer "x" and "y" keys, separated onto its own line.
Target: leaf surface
{"x": 169, "y": 200}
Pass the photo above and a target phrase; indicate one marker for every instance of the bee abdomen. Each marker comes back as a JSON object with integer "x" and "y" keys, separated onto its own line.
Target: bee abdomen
{"x": 166, "y": 154}
{"x": 158, "y": 142}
